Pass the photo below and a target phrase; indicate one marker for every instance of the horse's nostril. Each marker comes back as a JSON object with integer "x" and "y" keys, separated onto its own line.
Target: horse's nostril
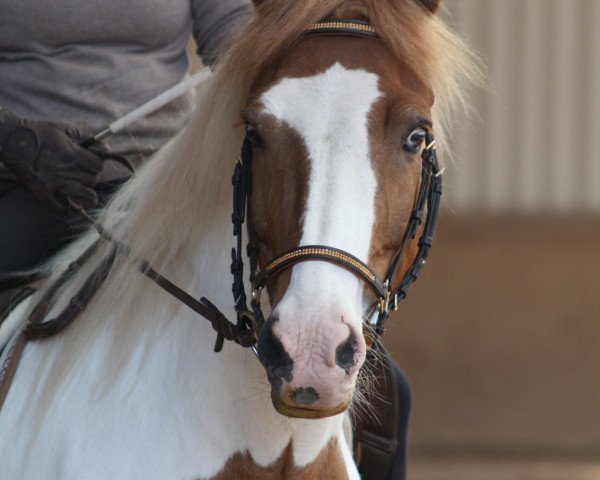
{"x": 272, "y": 355}
{"x": 345, "y": 354}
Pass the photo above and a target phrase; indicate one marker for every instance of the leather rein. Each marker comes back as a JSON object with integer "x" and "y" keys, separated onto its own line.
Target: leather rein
{"x": 249, "y": 320}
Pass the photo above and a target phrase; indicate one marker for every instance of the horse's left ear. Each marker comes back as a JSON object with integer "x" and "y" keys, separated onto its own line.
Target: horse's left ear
{"x": 431, "y": 5}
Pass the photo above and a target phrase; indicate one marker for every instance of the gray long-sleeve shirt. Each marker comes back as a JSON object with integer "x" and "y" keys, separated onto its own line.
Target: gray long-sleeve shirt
{"x": 89, "y": 62}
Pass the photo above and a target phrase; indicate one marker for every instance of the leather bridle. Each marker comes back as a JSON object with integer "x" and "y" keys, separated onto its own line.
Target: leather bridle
{"x": 249, "y": 320}
{"x": 424, "y": 213}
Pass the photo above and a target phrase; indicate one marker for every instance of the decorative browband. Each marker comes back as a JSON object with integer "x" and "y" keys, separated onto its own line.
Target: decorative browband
{"x": 340, "y": 26}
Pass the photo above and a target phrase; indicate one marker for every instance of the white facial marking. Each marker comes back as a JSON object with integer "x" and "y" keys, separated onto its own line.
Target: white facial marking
{"x": 330, "y": 113}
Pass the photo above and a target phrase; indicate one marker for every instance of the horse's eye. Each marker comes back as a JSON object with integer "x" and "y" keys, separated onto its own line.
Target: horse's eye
{"x": 253, "y": 136}
{"x": 415, "y": 140}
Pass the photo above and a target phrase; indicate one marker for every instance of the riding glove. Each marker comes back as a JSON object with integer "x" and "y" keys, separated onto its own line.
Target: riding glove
{"x": 48, "y": 159}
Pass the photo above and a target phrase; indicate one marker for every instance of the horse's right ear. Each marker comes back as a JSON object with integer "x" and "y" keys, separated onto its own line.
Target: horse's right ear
{"x": 431, "y": 5}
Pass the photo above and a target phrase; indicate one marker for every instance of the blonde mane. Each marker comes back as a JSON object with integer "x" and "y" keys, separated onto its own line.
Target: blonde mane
{"x": 185, "y": 189}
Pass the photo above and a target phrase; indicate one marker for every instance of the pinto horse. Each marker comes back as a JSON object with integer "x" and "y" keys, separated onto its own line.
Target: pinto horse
{"x": 335, "y": 116}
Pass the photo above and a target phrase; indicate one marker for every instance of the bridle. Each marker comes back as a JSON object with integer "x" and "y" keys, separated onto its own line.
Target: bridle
{"x": 425, "y": 212}
{"x": 249, "y": 320}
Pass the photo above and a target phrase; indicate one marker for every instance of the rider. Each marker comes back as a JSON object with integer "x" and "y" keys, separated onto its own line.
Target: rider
{"x": 69, "y": 69}
{"x": 84, "y": 64}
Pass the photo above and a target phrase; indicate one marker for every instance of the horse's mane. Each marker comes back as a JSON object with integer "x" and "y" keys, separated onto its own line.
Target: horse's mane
{"x": 185, "y": 189}
{"x": 192, "y": 172}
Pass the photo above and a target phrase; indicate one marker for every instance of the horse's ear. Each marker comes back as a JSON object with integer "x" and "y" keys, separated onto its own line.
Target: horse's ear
{"x": 257, "y": 2}
{"x": 431, "y": 5}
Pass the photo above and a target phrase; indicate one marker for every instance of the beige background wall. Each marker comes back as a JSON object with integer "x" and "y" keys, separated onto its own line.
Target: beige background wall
{"x": 535, "y": 145}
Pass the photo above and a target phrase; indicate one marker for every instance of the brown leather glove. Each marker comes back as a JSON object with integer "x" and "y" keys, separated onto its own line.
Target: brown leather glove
{"x": 48, "y": 160}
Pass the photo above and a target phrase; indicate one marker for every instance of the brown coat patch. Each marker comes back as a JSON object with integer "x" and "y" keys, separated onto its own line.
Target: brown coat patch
{"x": 329, "y": 465}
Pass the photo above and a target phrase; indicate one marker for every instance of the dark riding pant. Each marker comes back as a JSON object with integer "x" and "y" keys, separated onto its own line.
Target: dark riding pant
{"x": 29, "y": 233}
{"x": 381, "y": 431}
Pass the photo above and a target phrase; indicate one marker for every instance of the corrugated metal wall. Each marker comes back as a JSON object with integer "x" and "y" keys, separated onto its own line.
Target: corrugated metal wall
{"x": 536, "y": 146}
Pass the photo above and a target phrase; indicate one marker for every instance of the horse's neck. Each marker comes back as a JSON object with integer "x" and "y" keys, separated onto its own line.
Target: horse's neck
{"x": 176, "y": 407}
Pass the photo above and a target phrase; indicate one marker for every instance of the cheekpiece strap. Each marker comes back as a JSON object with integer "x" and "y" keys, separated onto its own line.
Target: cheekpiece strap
{"x": 425, "y": 213}
{"x": 341, "y": 26}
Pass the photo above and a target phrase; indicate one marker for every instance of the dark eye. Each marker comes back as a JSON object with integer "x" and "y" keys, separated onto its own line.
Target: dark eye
{"x": 253, "y": 136}
{"x": 415, "y": 140}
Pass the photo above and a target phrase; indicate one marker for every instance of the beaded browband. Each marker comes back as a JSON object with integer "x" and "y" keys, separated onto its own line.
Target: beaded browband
{"x": 338, "y": 26}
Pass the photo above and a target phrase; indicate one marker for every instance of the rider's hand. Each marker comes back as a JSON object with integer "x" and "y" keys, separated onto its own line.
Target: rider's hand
{"x": 48, "y": 160}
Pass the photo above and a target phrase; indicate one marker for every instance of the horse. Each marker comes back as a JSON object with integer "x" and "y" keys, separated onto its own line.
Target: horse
{"x": 335, "y": 116}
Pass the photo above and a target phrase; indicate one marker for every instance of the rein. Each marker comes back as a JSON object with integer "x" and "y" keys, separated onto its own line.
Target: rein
{"x": 249, "y": 320}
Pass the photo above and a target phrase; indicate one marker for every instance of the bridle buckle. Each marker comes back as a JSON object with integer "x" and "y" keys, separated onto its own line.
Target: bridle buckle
{"x": 256, "y": 294}
{"x": 384, "y": 302}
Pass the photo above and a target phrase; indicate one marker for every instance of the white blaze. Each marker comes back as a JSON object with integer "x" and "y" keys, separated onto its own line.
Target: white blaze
{"x": 330, "y": 113}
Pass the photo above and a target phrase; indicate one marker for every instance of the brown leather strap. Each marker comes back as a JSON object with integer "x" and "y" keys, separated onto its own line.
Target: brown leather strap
{"x": 38, "y": 330}
{"x": 10, "y": 298}
{"x": 37, "y": 315}
{"x": 9, "y": 367}
{"x": 376, "y": 426}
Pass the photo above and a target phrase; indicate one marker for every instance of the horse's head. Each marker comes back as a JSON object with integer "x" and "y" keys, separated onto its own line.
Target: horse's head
{"x": 336, "y": 126}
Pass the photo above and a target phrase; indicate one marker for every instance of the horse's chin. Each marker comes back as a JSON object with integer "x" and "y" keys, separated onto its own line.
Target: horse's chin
{"x": 295, "y": 411}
